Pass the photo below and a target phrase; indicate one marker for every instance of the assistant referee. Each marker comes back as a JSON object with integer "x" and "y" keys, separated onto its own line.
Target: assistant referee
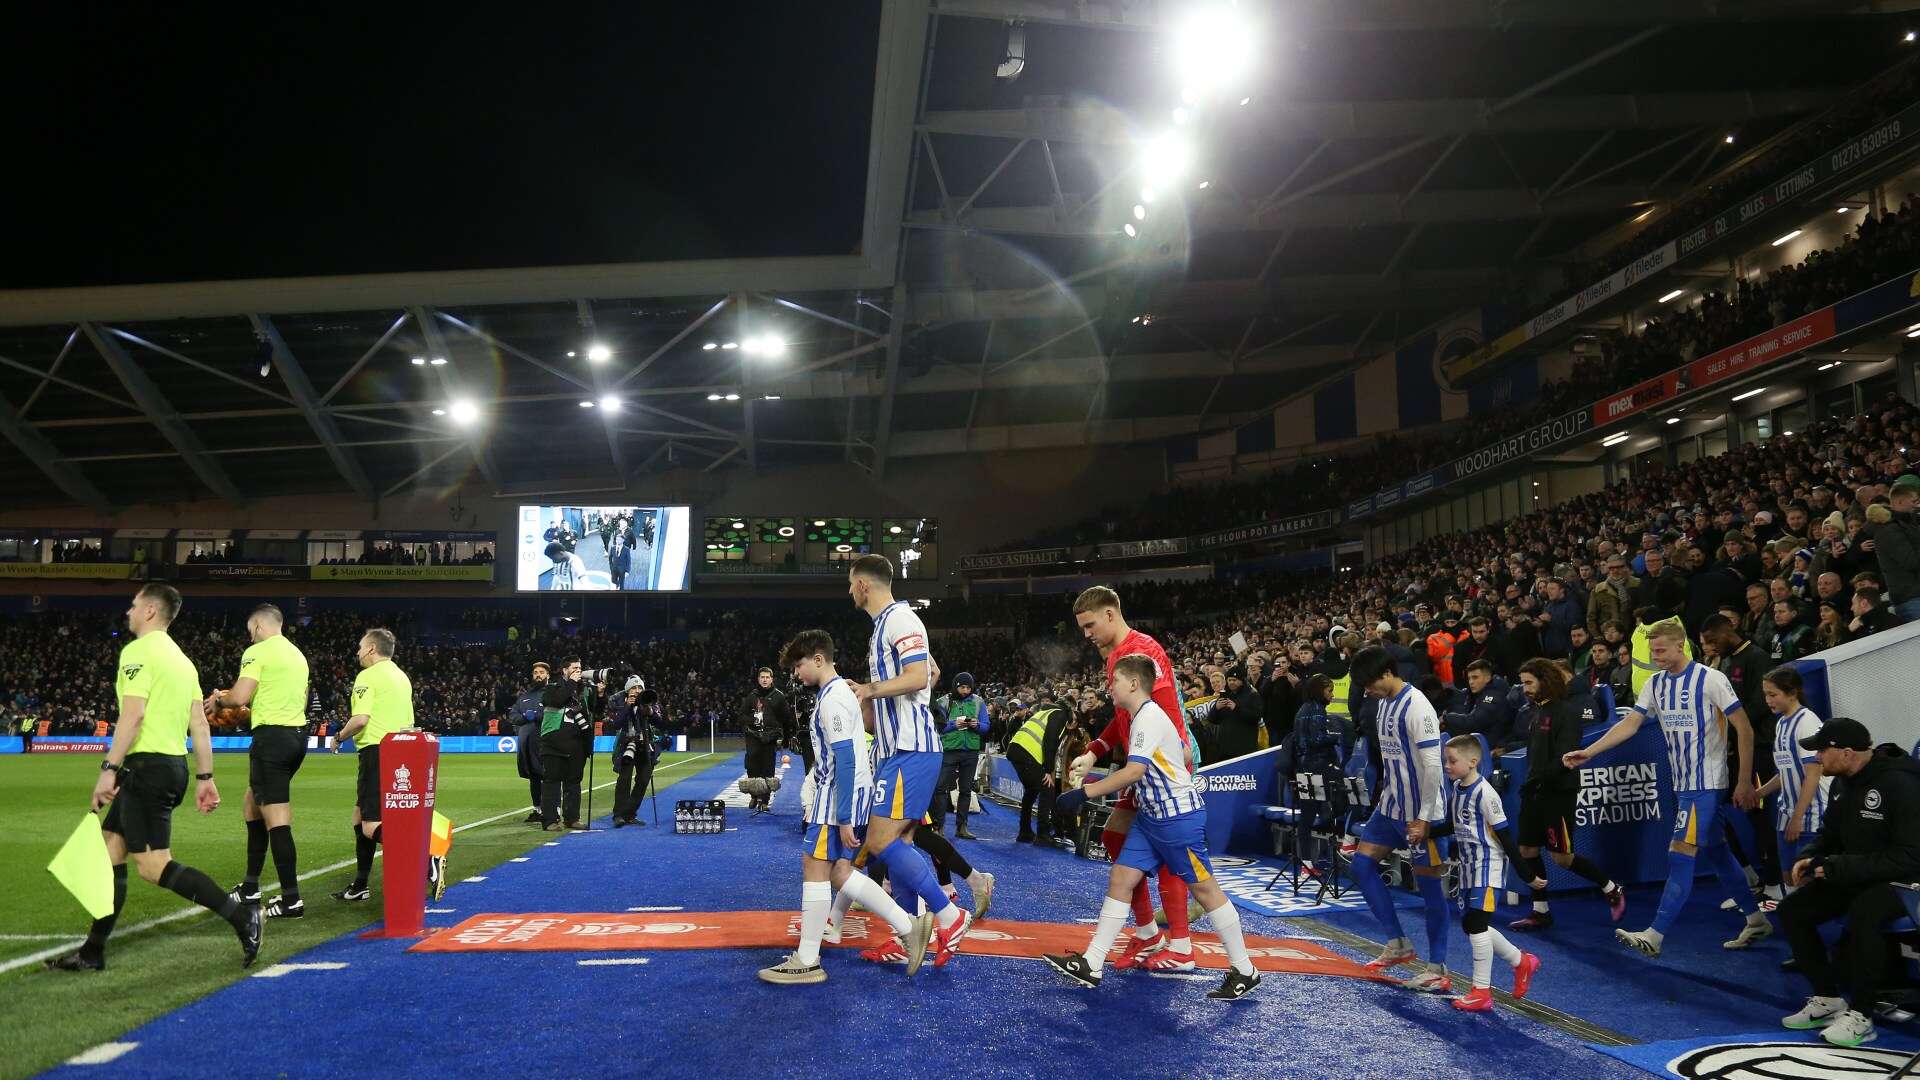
{"x": 145, "y": 776}
{"x": 382, "y": 705}
{"x": 273, "y": 681}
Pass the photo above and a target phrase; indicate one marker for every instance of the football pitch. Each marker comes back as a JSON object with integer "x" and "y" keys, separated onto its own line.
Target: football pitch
{"x": 159, "y": 959}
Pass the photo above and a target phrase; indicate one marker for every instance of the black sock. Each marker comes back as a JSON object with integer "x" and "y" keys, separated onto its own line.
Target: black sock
{"x": 946, "y": 858}
{"x": 363, "y": 857}
{"x": 96, "y": 944}
{"x": 256, "y": 851}
{"x": 281, "y": 838}
{"x": 1590, "y": 870}
{"x": 193, "y": 885}
{"x": 377, "y": 833}
{"x": 1532, "y": 867}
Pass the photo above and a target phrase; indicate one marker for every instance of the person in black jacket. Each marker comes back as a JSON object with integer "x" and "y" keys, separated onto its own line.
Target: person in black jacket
{"x": 1485, "y": 710}
{"x": 1871, "y": 839}
{"x": 526, "y": 731}
{"x": 564, "y": 745}
{"x": 632, "y": 718}
{"x": 1031, "y": 749}
{"x": 766, "y": 720}
{"x": 1551, "y": 794}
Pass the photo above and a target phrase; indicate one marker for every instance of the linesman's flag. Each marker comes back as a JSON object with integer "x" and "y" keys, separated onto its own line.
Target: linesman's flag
{"x": 441, "y": 840}
{"x": 85, "y": 869}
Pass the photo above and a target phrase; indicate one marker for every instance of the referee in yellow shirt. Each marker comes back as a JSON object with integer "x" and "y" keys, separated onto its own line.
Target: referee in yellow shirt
{"x": 273, "y": 682}
{"x": 145, "y": 776}
{"x": 382, "y": 705}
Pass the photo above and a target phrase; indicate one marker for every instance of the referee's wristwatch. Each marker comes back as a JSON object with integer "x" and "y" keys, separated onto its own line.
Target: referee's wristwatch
{"x": 108, "y": 766}
{"x": 203, "y": 776}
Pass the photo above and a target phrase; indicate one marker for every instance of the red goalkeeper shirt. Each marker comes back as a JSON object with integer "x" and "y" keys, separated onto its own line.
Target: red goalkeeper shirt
{"x": 1119, "y": 729}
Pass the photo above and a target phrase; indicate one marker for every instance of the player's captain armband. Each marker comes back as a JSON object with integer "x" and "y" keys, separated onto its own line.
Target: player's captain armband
{"x": 911, "y": 644}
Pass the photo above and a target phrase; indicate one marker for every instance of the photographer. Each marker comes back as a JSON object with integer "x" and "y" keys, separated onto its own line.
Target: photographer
{"x": 634, "y": 751}
{"x": 526, "y": 731}
{"x": 565, "y": 740}
{"x": 768, "y": 719}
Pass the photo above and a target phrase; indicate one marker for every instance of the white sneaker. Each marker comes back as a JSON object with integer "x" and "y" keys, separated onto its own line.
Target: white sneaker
{"x": 1818, "y": 1013}
{"x": 1850, "y": 1028}
{"x": 1641, "y": 940}
{"x": 1434, "y": 980}
{"x": 1756, "y": 928}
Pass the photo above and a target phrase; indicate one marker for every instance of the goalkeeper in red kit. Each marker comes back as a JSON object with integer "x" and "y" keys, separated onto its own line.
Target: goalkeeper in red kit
{"x": 1097, "y": 611}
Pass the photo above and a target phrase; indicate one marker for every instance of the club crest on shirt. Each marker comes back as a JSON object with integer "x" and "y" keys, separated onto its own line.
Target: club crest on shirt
{"x": 1873, "y": 799}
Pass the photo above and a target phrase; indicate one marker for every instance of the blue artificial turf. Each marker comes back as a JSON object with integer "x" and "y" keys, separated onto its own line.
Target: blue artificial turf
{"x": 703, "y": 1013}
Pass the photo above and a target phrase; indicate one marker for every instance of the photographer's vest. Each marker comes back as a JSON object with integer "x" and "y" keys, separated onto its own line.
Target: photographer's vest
{"x": 1033, "y": 734}
{"x": 959, "y": 708}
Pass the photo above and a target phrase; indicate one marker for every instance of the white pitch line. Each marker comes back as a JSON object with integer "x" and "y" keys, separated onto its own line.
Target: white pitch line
{"x": 43, "y": 937}
{"x": 617, "y": 961}
{"x": 669, "y": 907}
{"x": 277, "y": 970}
{"x": 195, "y": 909}
{"x": 518, "y": 859}
{"x": 102, "y": 1054}
{"x": 475, "y": 878}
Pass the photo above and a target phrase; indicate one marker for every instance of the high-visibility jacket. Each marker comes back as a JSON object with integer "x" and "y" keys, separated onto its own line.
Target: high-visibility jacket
{"x": 1440, "y": 653}
{"x": 1643, "y": 665}
{"x": 1032, "y": 735}
{"x": 1339, "y": 706}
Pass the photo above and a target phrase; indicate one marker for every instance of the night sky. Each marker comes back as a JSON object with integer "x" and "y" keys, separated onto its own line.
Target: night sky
{"x": 171, "y": 144}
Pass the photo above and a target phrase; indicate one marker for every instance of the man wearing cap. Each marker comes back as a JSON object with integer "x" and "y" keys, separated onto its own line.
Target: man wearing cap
{"x": 1897, "y": 546}
{"x": 1871, "y": 839}
{"x": 960, "y": 739}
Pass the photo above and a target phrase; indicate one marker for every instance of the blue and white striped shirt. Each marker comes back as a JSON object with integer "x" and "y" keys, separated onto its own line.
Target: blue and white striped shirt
{"x": 1410, "y": 773}
{"x": 1476, "y": 814}
{"x": 1793, "y": 761}
{"x": 1692, "y": 706}
{"x": 1166, "y": 790}
{"x": 901, "y": 724}
{"x": 836, "y": 722}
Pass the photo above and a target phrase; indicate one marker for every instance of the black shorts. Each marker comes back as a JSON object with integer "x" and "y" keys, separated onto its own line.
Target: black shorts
{"x": 1546, "y": 820}
{"x": 151, "y": 785}
{"x": 369, "y": 783}
{"x": 277, "y": 752}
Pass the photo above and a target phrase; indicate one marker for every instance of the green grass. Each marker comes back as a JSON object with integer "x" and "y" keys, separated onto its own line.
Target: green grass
{"x": 51, "y": 1016}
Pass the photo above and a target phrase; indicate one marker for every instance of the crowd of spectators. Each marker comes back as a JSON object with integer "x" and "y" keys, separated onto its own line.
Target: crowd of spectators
{"x": 1880, "y": 248}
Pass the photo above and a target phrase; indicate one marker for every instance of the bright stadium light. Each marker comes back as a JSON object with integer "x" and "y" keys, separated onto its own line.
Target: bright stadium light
{"x": 733, "y": 397}
{"x": 419, "y": 361}
{"x": 586, "y": 404}
{"x": 1615, "y": 440}
{"x": 1672, "y": 295}
{"x": 598, "y": 353}
{"x": 610, "y": 402}
{"x": 439, "y": 412}
{"x": 1212, "y": 50}
{"x": 710, "y": 346}
{"x": 1673, "y": 419}
{"x": 729, "y": 344}
{"x": 1139, "y": 212}
{"x": 1729, "y": 139}
{"x": 438, "y": 361}
{"x": 1129, "y": 229}
{"x": 464, "y": 411}
{"x": 1164, "y": 159}
{"x": 1750, "y": 393}
{"x": 1827, "y": 365}
{"x": 1785, "y": 238}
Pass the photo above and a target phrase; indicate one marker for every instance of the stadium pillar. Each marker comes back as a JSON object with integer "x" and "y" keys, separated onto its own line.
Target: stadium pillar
{"x": 1906, "y": 385}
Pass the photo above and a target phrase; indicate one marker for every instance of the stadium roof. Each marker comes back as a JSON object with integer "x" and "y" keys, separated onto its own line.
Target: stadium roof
{"x": 1393, "y": 161}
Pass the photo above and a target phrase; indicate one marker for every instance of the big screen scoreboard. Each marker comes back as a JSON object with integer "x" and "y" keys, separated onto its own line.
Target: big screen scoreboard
{"x": 771, "y": 543}
{"x": 603, "y": 549}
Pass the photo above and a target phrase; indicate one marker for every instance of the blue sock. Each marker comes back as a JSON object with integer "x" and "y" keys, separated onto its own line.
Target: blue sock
{"x": 1679, "y": 887}
{"x": 1366, "y": 871}
{"x": 913, "y": 872}
{"x": 1732, "y": 877}
{"x": 1435, "y": 895}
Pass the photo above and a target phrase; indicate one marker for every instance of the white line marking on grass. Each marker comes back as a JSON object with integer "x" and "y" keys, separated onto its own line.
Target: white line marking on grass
{"x": 195, "y": 909}
{"x": 520, "y": 858}
{"x": 42, "y": 937}
{"x": 476, "y": 877}
{"x": 617, "y": 961}
{"x": 102, "y": 1054}
{"x": 278, "y": 970}
{"x": 669, "y": 907}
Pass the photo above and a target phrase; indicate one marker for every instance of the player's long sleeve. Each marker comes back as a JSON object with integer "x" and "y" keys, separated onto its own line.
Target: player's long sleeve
{"x": 1113, "y": 736}
{"x": 1426, "y": 767}
{"x": 843, "y": 778}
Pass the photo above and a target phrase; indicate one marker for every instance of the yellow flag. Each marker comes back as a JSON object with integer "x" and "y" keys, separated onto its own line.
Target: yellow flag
{"x": 85, "y": 869}
{"x": 441, "y": 840}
